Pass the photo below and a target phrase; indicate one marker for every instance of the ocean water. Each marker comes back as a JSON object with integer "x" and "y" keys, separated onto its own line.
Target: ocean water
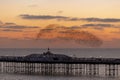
{"x": 89, "y": 52}
{"x": 106, "y": 53}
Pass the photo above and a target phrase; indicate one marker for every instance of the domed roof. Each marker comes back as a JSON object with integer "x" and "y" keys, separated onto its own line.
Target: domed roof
{"x": 47, "y": 56}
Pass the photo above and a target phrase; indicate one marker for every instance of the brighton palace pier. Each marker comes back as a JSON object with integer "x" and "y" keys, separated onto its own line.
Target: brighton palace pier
{"x": 59, "y": 64}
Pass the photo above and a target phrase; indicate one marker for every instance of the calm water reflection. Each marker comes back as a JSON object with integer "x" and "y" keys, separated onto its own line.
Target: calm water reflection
{"x": 37, "y": 77}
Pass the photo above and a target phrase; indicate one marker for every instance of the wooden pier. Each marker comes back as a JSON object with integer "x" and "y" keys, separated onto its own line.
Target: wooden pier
{"x": 59, "y": 64}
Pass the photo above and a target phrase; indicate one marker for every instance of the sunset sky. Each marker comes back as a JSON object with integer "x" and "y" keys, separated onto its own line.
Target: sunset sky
{"x": 59, "y": 23}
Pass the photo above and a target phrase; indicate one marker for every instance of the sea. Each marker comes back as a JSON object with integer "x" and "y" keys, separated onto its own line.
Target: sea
{"x": 77, "y": 52}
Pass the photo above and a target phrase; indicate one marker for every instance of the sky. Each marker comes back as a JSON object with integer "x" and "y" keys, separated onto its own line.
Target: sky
{"x": 59, "y": 23}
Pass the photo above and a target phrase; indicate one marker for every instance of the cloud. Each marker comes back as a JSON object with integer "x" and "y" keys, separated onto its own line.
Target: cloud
{"x": 8, "y": 23}
{"x": 12, "y": 30}
{"x": 101, "y": 19}
{"x": 74, "y": 19}
{"x": 102, "y": 25}
{"x": 15, "y": 26}
{"x": 57, "y": 32}
{"x": 20, "y": 27}
{"x": 12, "y": 27}
{"x": 44, "y": 17}
{"x": 99, "y": 26}
{"x": 65, "y": 18}
{"x": 48, "y": 17}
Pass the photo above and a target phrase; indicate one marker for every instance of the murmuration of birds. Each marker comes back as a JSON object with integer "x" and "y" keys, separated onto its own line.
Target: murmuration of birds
{"x": 57, "y": 32}
{"x": 1, "y": 22}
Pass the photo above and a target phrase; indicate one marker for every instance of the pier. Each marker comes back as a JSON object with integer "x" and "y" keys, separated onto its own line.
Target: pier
{"x": 48, "y": 63}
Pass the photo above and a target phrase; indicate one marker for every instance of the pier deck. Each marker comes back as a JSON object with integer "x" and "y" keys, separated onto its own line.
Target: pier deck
{"x": 59, "y": 64}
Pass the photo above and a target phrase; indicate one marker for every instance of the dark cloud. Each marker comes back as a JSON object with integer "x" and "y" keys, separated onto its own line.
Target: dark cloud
{"x": 74, "y": 27}
{"x": 44, "y": 17}
{"x": 12, "y": 30}
{"x": 8, "y": 23}
{"x": 55, "y": 32}
{"x": 74, "y": 19}
{"x": 49, "y": 17}
{"x": 20, "y": 27}
{"x": 99, "y": 26}
{"x": 101, "y": 19}
{"x": 15, "y": 26}
{"x": 12, "y": 27}
{"x": 102, "y": 25}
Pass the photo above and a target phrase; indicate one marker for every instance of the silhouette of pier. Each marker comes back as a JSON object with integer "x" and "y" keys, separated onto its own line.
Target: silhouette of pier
{"x": 59, "y": 64}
